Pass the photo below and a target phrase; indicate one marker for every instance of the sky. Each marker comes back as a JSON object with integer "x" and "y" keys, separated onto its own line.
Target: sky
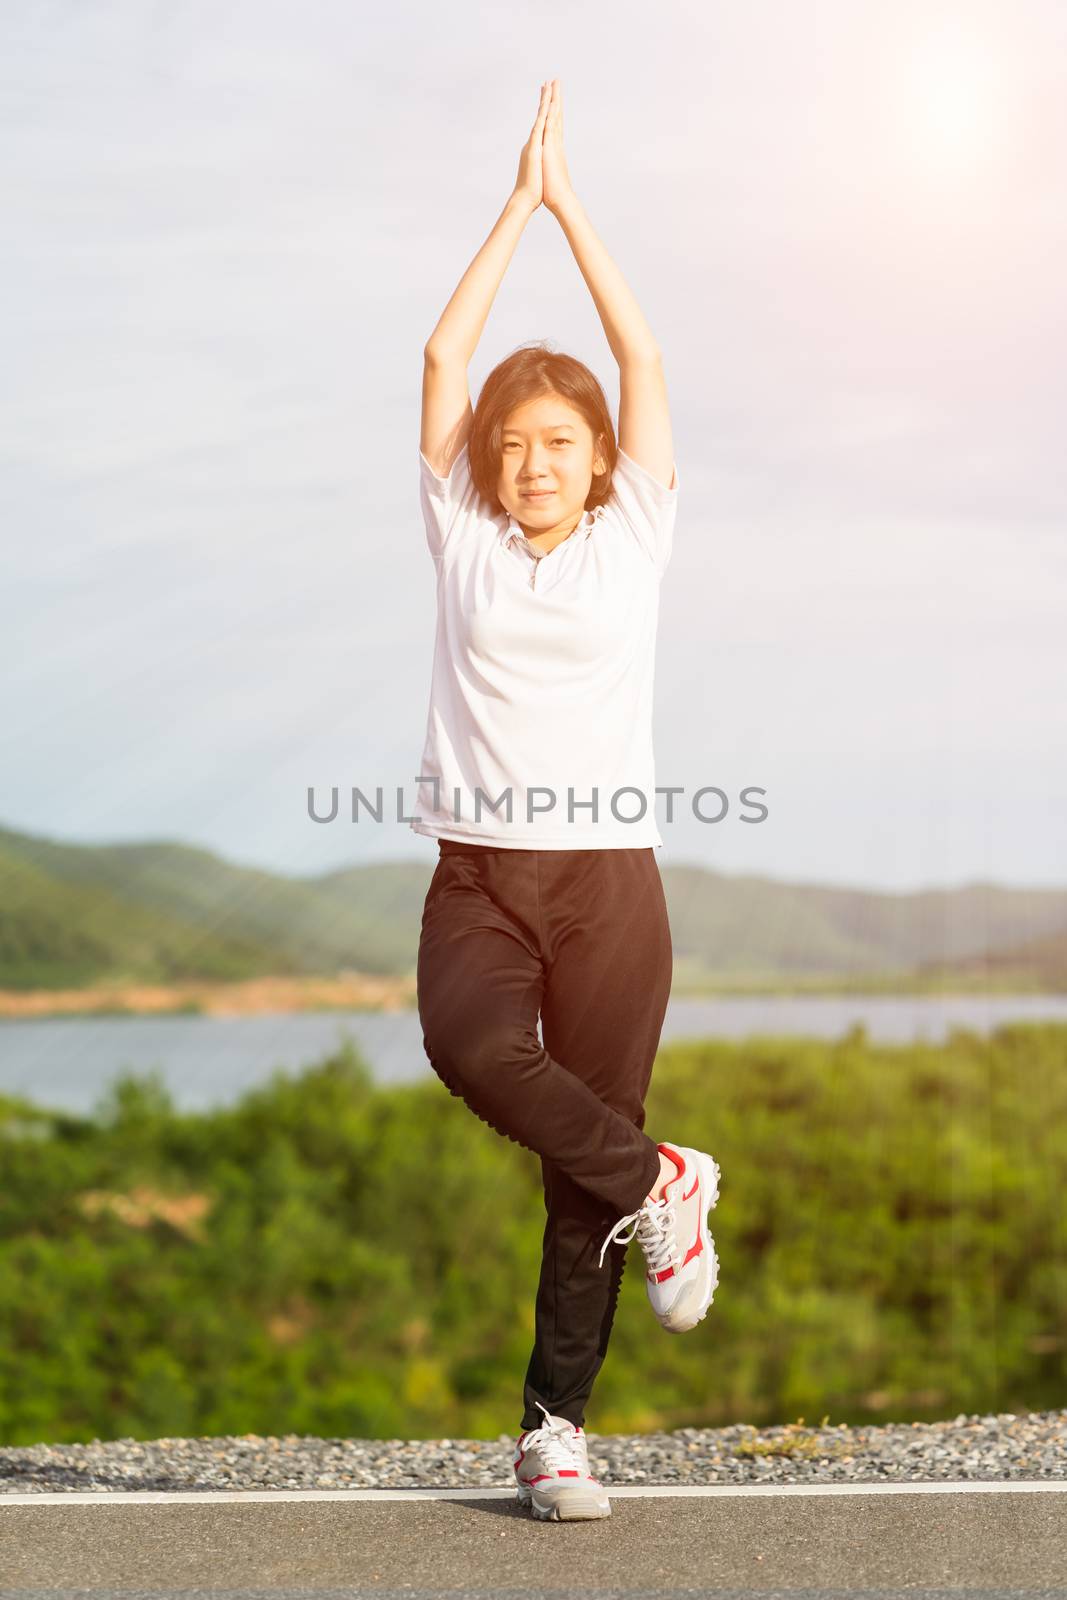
{"x": 229, "y": 229}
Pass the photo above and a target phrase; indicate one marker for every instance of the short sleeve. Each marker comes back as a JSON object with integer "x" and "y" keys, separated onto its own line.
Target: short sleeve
{"x": 646, "y": 507}
{"x": 446, "y": 502}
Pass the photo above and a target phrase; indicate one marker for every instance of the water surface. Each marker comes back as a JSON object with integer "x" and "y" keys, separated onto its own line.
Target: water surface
{"x": 68, "y": 1062}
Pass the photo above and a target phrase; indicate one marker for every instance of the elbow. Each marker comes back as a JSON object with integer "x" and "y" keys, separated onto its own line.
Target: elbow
{"x": 641, "y": 356}
{"x": 435, "y": 355}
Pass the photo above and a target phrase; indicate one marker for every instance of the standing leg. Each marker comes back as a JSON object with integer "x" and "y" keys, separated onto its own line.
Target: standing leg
{"x": 606, "y": 993}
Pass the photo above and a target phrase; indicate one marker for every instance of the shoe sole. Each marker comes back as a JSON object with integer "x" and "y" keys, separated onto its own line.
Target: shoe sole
{"x": 709, "y": 1185}
{"x": 576, "y": 1506}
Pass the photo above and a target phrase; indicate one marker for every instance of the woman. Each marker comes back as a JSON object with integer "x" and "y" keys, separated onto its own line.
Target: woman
{"x": 549, "y": 543}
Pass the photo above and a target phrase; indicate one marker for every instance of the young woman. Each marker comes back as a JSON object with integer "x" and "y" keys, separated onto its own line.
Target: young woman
{"x": 550, "y": 541}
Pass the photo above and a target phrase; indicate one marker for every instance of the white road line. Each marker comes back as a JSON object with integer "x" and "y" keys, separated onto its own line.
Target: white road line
{"x": 124, "y": 1497}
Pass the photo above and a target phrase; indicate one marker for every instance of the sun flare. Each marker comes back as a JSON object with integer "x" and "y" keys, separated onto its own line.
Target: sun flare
{"x": 955, "y": 90}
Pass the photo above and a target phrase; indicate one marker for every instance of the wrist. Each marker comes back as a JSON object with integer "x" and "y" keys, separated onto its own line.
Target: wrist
{"x": 520, "y": 203}
{"x": 567, "y": 203}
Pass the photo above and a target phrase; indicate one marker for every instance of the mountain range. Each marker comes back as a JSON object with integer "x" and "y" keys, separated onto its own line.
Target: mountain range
{"x": 163, "y": 911}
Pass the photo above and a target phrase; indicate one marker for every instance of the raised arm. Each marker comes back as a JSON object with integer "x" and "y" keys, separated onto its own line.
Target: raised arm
{"x": 446, "y": 408}
{"x": 644, "y": 414}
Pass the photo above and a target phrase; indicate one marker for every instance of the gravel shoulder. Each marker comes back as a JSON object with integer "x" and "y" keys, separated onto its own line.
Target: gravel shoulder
{"x": 967, "y": 1448}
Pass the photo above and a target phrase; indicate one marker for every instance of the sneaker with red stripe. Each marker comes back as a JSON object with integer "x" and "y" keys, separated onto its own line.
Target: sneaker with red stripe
{"x": 682, "y": 1267}
{"x": 552, "y": 1473}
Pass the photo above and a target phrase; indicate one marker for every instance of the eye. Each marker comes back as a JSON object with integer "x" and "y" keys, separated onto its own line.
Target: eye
{"x": 513, "y": 443}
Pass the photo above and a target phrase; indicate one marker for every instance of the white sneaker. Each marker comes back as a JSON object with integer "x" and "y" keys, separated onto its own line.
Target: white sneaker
{"x": 552, "y": 1473}
{"x": 682, "y": 1269}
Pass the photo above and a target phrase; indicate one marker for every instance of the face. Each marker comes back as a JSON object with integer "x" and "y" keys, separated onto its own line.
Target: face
{"x": 547, "y": 445}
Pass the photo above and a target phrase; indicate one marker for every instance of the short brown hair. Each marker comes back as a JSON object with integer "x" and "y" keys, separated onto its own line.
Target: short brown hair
{"x": 528, "y": 372}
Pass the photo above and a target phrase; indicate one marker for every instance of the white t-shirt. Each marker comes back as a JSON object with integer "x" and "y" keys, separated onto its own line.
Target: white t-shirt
{"x": 543, "y": 669}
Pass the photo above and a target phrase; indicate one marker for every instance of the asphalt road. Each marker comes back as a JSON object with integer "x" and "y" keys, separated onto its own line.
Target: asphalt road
{"x": 819, "y": 1542}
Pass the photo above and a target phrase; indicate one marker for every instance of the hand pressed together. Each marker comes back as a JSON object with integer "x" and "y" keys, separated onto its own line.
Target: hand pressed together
{"x": 543, "y": 178}
{"x": 555, "y": 179}
{"x": 528, "y": 185}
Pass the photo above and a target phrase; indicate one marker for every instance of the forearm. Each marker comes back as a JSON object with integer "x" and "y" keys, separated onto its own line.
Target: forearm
{"x": 460, "y": 326}
{"x": 627, "y": 332}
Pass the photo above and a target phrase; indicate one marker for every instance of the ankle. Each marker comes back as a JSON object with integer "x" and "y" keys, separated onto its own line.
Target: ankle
{"x": 667, "y": 1171}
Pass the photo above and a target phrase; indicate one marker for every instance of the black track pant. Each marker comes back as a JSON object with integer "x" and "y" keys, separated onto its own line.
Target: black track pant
{"x": 580, "y": 937}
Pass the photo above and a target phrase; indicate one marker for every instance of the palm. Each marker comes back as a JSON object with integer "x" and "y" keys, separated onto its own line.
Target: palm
{"x": 555, "y": 178}
{"x": 528, "y": 183}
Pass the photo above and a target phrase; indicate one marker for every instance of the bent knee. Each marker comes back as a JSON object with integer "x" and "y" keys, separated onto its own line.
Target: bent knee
{"x": 477, "y": 1051}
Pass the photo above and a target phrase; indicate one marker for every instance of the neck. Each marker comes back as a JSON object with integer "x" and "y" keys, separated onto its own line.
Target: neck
{"x": 549, "y": 538}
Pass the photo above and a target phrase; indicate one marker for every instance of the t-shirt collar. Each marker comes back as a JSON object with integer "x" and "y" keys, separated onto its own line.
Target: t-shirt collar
{"x": 584, "y": 527}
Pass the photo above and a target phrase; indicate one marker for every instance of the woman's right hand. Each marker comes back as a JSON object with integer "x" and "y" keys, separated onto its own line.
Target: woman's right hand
{"x": 528, "y": 185}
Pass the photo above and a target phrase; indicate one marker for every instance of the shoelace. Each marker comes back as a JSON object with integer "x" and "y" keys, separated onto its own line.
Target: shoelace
{"x": 554, "y": 1441}
{"x": 653, "y": 1225}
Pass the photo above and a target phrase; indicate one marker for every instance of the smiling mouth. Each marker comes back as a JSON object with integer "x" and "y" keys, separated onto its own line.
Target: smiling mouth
{"x": 538, "y": 494}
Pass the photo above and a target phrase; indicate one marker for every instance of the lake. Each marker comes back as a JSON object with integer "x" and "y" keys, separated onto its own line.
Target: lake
{"x": 68, "y": 1062}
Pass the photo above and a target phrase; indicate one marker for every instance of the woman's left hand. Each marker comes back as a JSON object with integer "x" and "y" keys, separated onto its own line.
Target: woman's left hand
{"x": 554, "y": 174}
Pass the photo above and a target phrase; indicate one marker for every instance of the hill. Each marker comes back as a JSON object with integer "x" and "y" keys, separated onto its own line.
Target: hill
{"x": 164, "y": 912}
